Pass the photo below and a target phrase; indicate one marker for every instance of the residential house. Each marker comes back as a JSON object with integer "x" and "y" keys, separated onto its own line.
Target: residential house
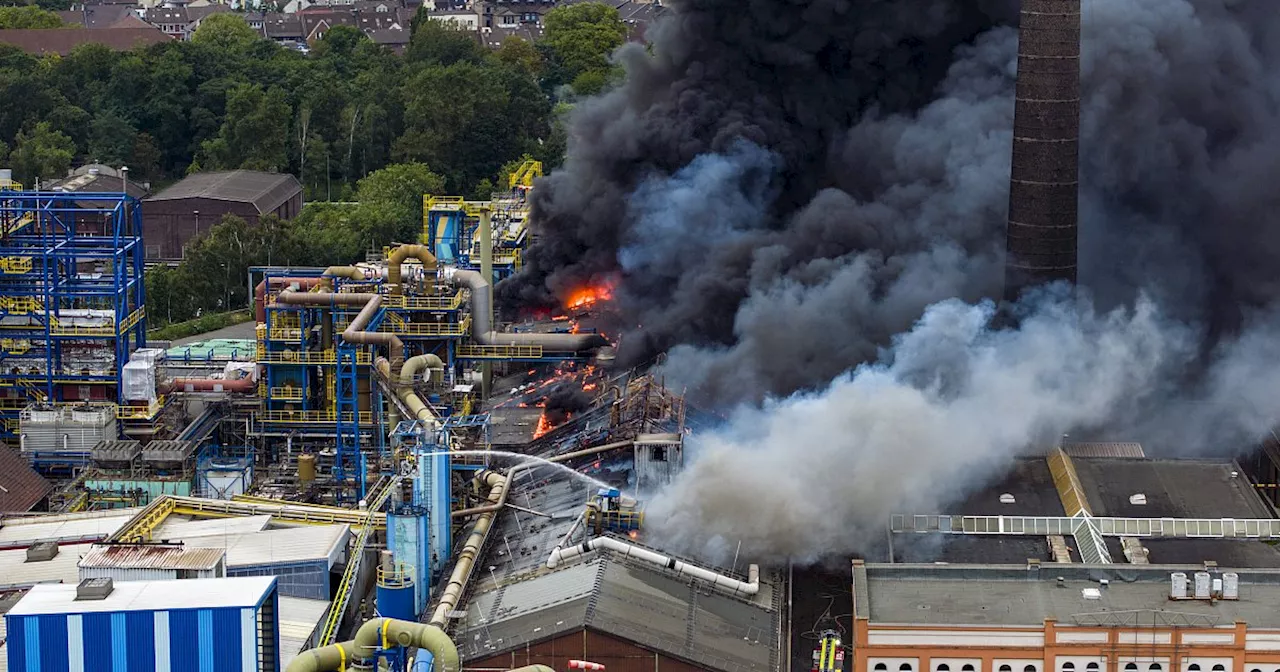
{"x": 387, "y": 27}
{"x": 179, "y": 22}
{"x": 463, "y": 19}
{"x": 102, "y": 16}
{"x": 395, "y": 40}
{"x": 255, "y": 19}
{"x": 511, "y": 13}
{"x": 61, "y": 41}
{"x": 494, "y": 37}
{"x": 285, "y": 29}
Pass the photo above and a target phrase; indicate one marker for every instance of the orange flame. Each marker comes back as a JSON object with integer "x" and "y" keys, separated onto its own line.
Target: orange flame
{"x": 544, "y": 426}
{"x": 589, "y": 295}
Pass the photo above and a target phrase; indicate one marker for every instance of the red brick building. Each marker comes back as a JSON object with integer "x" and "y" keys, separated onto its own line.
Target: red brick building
{"x": 174, "y": 217}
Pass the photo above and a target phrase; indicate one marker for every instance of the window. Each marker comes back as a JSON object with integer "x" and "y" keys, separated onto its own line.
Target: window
{"x": 881, "y": 666}
{"x": 1218, "y": 668}
{"x": 1091, "y": 666}
{"x": 1155, "y": 667}
{"x": 1068, "y": 665}
{"x": 660, "y": 455}
{"x": 1193, "y": 667}
{"x": 1029, "y": 668}
{"x": 944, "y": 668}
{"x": 1006, "y": 668}
{"x": 1131, "y": 666}
{"x": 966, "y": 668}
{"x": 905, "y": 667}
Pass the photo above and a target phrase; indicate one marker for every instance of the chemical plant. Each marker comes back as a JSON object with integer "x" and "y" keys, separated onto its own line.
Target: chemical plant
{"x": 385, "y": 476}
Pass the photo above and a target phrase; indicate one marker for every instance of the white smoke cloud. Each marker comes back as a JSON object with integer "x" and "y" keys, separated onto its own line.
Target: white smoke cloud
{"x": 945, "y": 409}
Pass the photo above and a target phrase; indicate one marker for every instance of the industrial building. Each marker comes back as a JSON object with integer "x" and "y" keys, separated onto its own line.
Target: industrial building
{"x": 175, "y": 216}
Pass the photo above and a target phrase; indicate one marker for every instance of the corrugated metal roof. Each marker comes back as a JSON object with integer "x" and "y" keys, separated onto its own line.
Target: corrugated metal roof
{"x": 152, "y": 557}
{"x": 184, "y": 529}
{"x": 299, "y": 618}
{"x": 16, "y": 572}
{"x": 266, "y": 191}
{"x": 21, "y": 488}
{"x": 297, "y": 544}
{"x": 63, "y": 527}
{"x": 244, "y": 591}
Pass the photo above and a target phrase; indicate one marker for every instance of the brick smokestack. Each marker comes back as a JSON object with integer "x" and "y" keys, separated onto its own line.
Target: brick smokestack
{"x": 1044, "y": 184}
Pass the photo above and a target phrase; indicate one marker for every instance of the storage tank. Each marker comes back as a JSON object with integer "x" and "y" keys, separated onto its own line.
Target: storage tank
{"x": 395, "y": 589}
{"x": 1178, "y": 589}
{"x": 1230, "y": 586}
{"x": 306, "y": 469}
{"x": 410, "y": 544}
{"x": 1203, "y": 585}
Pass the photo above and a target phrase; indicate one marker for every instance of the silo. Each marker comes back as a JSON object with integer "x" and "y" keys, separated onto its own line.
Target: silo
{"x": 1044, "y": 180}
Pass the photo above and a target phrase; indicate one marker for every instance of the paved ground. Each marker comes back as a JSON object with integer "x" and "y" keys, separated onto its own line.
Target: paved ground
{"x": 242, "y": 330}
{"x": 821, "y": 598}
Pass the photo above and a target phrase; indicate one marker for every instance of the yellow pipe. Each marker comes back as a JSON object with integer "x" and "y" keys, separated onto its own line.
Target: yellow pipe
{"x": 420, "y": 252}
{"x": 348, "y": 272}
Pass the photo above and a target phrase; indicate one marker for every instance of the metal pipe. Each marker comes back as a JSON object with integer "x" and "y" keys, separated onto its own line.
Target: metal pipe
{"x": 331, "y": 658}
{"x": 260, "y": 293}
{"x": 420, "y": 252}
{"x": 719, "y": 581}
{"x": 419, "y": 408}
{"x": 377, "y": 632}
{"x": 349, "y": 272}
{"x": 482, "y": 321}
{"x": 356, "y": 331}
{"x": 416, "y": 363}
{"x": 211, "y": 385}
{"x": 499, "y": 488}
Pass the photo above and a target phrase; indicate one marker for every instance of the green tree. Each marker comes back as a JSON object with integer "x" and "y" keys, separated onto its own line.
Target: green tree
{"x": 28, "y": 17}
{"x": 144, "y": 161}
{"x": 255, "y": 132}
{"x": 518, "y": 53}
{"x": 444, "y": 44}
{"x": 42, "y": 153}
{"x": 394, "y": 194}
{"x": 580, "y": 39}
{"x": 225, "y": 32}
{"x": 111, "y": 139}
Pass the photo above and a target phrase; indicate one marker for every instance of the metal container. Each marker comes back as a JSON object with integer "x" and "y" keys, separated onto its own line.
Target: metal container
{"x": 306, "y": 469}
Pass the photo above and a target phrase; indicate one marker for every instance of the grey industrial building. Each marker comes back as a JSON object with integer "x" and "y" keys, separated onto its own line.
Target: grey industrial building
{"x": 181, "y": 213}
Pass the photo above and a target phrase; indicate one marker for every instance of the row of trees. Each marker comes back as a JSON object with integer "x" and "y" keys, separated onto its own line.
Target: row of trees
{"x": 232, "y": 99}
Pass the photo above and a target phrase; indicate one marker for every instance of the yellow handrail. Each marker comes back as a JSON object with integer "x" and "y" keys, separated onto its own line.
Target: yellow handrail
{"x": 353, "y": 568}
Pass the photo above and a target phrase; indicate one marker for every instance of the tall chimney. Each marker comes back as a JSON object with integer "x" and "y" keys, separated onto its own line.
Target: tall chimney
{"x": 1044, "y": 185}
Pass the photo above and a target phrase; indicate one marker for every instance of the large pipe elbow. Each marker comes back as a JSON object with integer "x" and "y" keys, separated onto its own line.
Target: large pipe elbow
{"x": 370, "y": 637}
{"x": 417, "y": 363}
{"x": 482, "y": 330}
{"x": 260, "y": 293}
{"x": 394, "y": 271}
{"x": 348, "y": 272}
{"x": 331, "y": 658}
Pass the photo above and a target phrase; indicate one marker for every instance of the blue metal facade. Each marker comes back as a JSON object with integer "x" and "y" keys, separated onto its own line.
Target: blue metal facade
{"x": 309, "y": 579}
{"x": 408, "y": 542}
{"x": 223, "y": 639}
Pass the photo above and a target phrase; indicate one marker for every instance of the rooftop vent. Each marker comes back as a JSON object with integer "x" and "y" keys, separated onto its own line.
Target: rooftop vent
{"x": 1007, "y": 498}
{"x": 94, "y": 589}
{"x": 1138, "y": 499}
{"x": 1091, "y": 594}
{"x": 42, "y": 551}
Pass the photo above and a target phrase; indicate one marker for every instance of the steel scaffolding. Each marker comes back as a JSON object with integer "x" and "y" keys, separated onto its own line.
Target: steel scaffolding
{"x": 72, "y": 299}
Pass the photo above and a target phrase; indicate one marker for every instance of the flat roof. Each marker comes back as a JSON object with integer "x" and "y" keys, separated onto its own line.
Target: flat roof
{"x": 299, "y": 618}
{"x": 16, "y": 572}
{"x": 1031, "y": 485}
{"x": 973, "y": 549}
{"x": 1200, "y": 488}
{"x": 63, "y": 527}
{"x": 246, "y": 591}
{"x": 173, "y": 528}
{"x": 270, "y": 547}
{"x": 1011, "y": 595}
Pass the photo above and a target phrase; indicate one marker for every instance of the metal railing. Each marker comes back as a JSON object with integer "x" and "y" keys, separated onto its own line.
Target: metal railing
{"x": 308, "y": 357}
{"x": 286, "y": 393}
{"x": 354, "y": 560}
{"x": 473, "y": 351}
{"x": 447, "y": 302}
{"x": 147, "y": 412}
{"x": 1205, "y": 528}
{"x": 109, "y": 329}
{"x": 15, "y": 265}
{"x": 311, "y": 417}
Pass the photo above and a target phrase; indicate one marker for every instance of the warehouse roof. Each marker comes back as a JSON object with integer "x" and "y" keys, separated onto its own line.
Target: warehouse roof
{"x": 299, "y": 618}
{"x": 265, "y": 191}
{"x": 152, "y": 557}
{"x": 246, "y": 591}
{"x": 16, "y": 572}
{"x": 270, "y": 547}
{"x": 1173, "y": 488}
{"x": 21, "y": 488}
{"x": 172, "y": 528}
{"x": 1011, "y": 595}
{"x": 620, "y": 598}
{"x": 86, "y": 526}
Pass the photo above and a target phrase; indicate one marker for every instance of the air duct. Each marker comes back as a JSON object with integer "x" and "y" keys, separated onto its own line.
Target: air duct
{"x": 241, "y": 385}
{"x": 718, "y": 581}
{"x": 482, "y": 321}
{"x": 260, "y": 293}
{"x": 394, "y": 271}
{"x": 1044, "y": 182}
{"x": 421, "y": 411}
{"x": 349, "y": 272}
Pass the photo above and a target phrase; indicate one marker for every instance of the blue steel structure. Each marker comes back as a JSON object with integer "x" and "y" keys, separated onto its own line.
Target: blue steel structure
{"x": 451, "y": 229}
{"x": 71, "y": 293}
{"x": 212, "y": 625}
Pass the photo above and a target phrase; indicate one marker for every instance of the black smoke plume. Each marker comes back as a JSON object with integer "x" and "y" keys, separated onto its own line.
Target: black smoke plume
{"x": 785, "y": 185}
{"x": 564, "y": 400}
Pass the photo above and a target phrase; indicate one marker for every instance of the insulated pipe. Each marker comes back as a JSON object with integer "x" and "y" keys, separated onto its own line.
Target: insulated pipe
{"x": 212, "y": 385}
{"x": 719, "y": 581}
{"x": 420, "y": 252}
{"x": 355, "y": 332}
{"x": 348, "y": 272}
{"x": 416, "y": 363}
{"x": 379, "y": 631}
{"x": 260, "y": 293}
{"x": 482, "y": 321}
{"x": 331, "y": 658}
{"x": 499, "y": 487}
{"x": 412, "y": 401}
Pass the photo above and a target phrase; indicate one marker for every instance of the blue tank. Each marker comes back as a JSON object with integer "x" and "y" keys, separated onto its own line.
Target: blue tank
{"x": 397, "y": 602}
